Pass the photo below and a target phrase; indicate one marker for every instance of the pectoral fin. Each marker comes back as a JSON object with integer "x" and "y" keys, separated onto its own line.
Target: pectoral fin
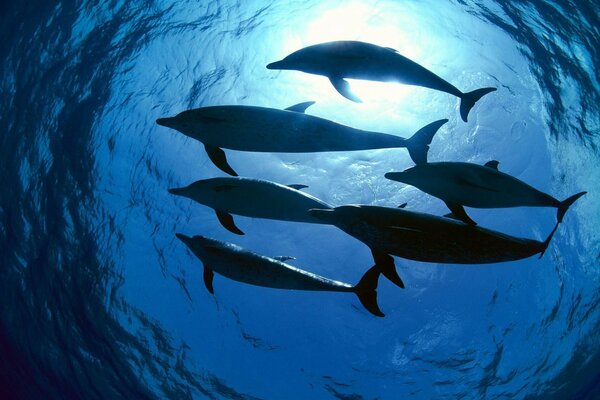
{"x": 343, "y": 88}
{"x": 217, "y": 156}
{"x": 208, "y": 279}
{"x": 459, "y": 213}
{"x": 227, "y": 221}
{"x": 300, "y": 107}
{"x": 386, "y": 265}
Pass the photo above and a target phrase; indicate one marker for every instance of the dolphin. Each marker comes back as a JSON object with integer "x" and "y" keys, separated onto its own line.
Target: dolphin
{"x": 252, "y": 198}
{"x": 461, "y": 184}
{"x": 260, "y": 129}
{"x": 428, "y": 238}
{"x": 234, "y": 262}
{"x": 359, "y": 60}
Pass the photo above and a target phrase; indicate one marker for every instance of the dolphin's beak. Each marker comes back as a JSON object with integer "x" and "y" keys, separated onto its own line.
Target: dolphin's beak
{"x": 177, "y": 192}
{"x": 168, "y": 122}
{"x": 395, "y": 176}
{"x": 185, "y": 239}
{"x": 276, "y": 65}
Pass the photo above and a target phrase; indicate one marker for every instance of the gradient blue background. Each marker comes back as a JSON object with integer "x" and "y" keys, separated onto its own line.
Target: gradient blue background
{"x": 100, "y": 300}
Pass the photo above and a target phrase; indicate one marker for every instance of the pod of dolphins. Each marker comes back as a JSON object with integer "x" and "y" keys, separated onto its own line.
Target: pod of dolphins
{"x": 453, "y": 238}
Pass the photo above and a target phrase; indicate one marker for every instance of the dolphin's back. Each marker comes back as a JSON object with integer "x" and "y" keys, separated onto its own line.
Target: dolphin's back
{"x": 248, "y": 267}
{"x": 261, "y": 129}
{"x": 429, "y": 238}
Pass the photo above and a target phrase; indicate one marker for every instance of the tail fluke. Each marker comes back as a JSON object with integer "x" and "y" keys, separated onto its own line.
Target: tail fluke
{"x": 565, "y": 204}
{"x": 418, "y": 144}
{"x": 546, "y": 242}
{"x": 468, "y": 100}
{"x": 366, "y": 290}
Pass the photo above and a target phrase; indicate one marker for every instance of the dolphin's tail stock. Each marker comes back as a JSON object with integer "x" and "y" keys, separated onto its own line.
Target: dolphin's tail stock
{"x": 418, "y": 144}
{"x": 366, "y": 290}
{"x": 565, "y": 204}
{"x": 468, "y": 100}
{"x": 544, "y": 245}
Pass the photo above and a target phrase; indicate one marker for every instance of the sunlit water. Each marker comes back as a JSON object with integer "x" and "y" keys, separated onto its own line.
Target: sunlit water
{"x": 100, "y": 300}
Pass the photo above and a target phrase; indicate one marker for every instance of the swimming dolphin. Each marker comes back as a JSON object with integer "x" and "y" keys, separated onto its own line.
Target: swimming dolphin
{"x": 359, "y": 60}
{"x": 241, "y": 265}
{"x": 248, "y": 128}
{"x": 461, "y": 184}
{"x": 252, "y": 198}
{"x": 429, "y": 238}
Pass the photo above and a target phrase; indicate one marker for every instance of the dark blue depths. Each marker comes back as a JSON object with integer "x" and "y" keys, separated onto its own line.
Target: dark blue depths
{"x": 99, "y": 300}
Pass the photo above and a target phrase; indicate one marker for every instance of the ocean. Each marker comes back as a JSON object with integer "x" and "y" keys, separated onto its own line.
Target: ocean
{"x": 100, "y": 300}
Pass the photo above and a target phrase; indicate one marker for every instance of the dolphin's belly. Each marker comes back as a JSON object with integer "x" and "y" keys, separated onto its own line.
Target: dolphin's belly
{"x": 481, "y": 187}
{"x": 288, "y": 132}
{"x": 262, "y": 271}
{"x": 460, "y": 245}
{"x": 287, "y": 207}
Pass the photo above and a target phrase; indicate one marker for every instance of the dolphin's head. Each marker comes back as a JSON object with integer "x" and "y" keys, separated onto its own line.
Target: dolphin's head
{"x": 210, "y": 192}
{"x": 193, "y": 122}
{"x": 201, "y": 246}
{"x": 306, "y": 60}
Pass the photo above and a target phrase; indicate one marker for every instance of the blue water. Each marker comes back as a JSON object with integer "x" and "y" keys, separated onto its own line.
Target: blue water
{"x": 100, "y": 300}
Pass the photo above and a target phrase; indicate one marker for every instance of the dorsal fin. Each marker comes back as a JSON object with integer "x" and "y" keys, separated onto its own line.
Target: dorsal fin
{"x": 300, "y": 107}
{"x": 452, "y": 216}
{"x": 227, "y": 221}
{"x": 492, "y": 164}
{"x": 297, "y": 186}
{"x": 403, "y": 205}
{"x": 283, "y": 258}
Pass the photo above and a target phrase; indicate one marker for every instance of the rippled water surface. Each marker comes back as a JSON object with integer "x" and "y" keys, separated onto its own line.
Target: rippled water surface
{"x": 100, "y": 300}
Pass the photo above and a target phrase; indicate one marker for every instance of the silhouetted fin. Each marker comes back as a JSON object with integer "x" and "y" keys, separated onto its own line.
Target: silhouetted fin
{"x": 389, "y": 48}
{"x": 464, "y": 181}
{"x": 208, "y": 279}
{"x": 217, "y": 156}
{"x": 343, "y": 88}
{"x": 468, "y": 100}
{"x": 459, "y": 213}
{"x": 283, "y": 258}
{"x": 223, "y": 188}
{"x": 451, "y": 215}
{"x": 492, "y": 164}
{"x": 227, "y": 221}
{"x": 418, "y": 144}
{"x": 300, "y": 107}
{"x": 386, "y": 265}
{"x": 403, "y": 205}
{"x": 548, "y": 239}
{"x": 366, "y": 290}
{"x": 565, "y": 204}
{"x": 297, "y": 186}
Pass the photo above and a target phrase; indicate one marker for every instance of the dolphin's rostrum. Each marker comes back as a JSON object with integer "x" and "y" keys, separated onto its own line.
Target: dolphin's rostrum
{"x": 260, "y": 129}
{"x": 359, "y": 60}
{"x": 236, "y": 263}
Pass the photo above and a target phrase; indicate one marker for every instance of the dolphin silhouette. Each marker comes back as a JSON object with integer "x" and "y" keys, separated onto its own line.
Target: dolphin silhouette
{"x": 252, "y": 198}
{"x": 429, "y": 238}
{"x": 461, "y": 184}
{"x": 234, "y": 262}
{"x": 359, "y": 60}
{"x": 260, "y": 129}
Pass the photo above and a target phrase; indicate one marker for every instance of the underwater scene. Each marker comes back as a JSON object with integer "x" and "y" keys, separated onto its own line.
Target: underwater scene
{"x": 349, "y": 200}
